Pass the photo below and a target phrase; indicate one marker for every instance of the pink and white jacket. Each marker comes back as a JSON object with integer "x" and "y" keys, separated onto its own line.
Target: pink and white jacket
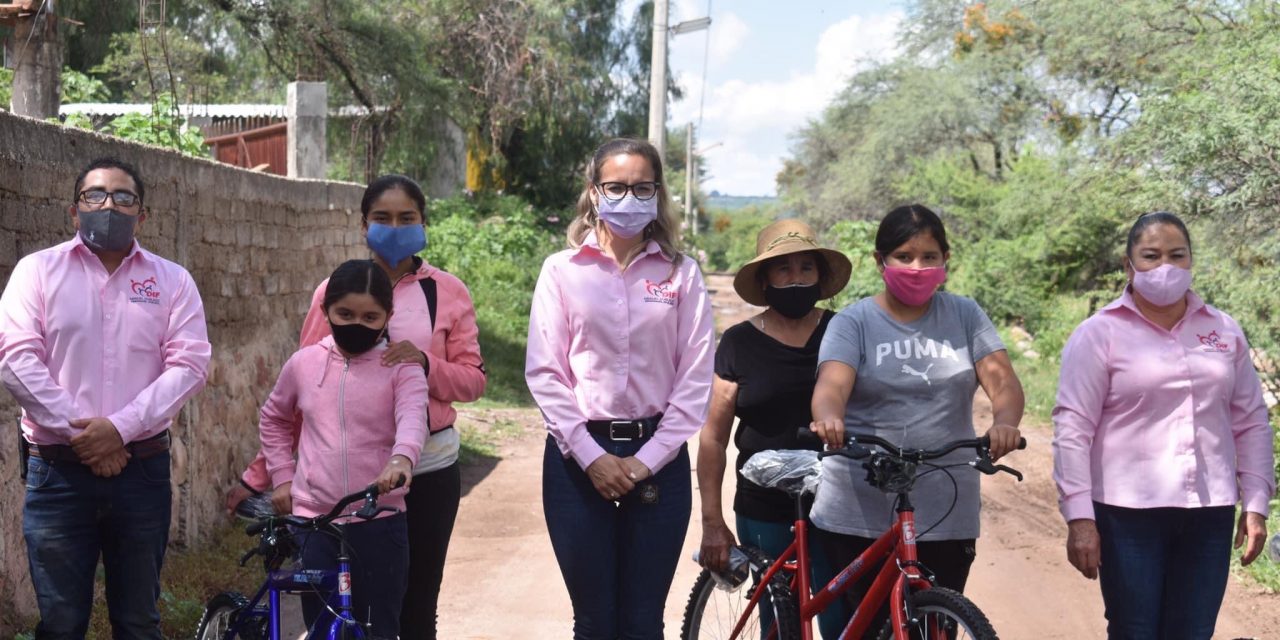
{"x": 352, "y": 415}
{"x": 450, "y": 341}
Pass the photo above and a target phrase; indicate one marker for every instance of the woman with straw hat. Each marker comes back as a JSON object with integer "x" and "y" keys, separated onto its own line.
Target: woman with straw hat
{"x": 764, "y": 376}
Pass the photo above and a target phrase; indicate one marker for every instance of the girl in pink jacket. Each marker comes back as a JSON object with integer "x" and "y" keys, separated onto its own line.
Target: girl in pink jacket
{"x": 359, "y": 423}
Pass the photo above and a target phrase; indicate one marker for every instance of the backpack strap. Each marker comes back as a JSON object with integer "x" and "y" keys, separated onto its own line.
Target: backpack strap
{"x": 429, "y": 290}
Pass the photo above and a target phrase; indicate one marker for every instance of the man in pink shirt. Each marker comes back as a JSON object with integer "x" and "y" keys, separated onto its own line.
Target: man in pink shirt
{"x": 101, "y": 343}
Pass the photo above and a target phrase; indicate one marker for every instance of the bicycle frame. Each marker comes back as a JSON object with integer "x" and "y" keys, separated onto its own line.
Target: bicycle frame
{"x": 335, "y": 582}
{"x": 900, "y": 572}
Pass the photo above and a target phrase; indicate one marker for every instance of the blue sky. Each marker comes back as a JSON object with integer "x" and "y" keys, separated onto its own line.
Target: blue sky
{"x": 771, "y": 66}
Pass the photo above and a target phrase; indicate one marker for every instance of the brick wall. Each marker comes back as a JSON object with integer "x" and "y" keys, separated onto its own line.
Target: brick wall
{"x": 257, "y": 246}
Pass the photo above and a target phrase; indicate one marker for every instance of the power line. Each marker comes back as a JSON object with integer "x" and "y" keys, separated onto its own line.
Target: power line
{"x": 706, "y": 52}
{"x": 34, "y": 20}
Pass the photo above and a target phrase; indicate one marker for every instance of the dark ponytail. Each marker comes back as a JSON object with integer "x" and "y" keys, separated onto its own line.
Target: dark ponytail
{"x": 1148, "y": 219}
{"x": 904, "y": 223}
{"x": 358, "y": 276}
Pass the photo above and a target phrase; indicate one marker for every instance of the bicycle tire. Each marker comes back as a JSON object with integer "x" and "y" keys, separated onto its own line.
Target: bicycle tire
{"x": 706, "y": 621}
{"x": 218, "y": 615}
{"x": 959, "y": 617}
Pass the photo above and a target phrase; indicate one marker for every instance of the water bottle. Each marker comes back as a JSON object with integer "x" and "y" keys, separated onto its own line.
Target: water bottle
{"x": 1273, "y": 548}
{"x": 736, "y": 576}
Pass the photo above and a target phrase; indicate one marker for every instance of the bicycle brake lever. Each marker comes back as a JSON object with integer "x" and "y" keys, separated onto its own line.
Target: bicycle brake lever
{"x": 1011, "y": 471}
{"x": 244, "y": 559}
{"x": 985, "y": 465}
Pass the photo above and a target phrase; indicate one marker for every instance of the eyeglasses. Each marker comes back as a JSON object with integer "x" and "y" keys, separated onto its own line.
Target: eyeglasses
{"x": 615, "y": 191}
{"x": 120, "y": 198}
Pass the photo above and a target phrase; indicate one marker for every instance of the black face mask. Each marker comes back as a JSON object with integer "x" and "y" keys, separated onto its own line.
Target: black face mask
{"x": 793, "y": 302}
{"x": 107, "y": 229}
{"x": 355, "y": 338}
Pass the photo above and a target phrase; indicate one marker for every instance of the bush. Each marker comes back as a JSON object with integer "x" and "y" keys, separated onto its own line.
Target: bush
{"x": 495, "y": 245}
{"x": 856, "y": 239}
{"x": 730, "y": 238}
{"x": 162, "y": 128}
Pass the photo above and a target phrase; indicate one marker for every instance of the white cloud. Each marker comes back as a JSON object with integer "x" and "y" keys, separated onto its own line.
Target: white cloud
{"x": 682, "y": 10}
{"x": 754, "y": 117}
{"x": 727, "y": 34}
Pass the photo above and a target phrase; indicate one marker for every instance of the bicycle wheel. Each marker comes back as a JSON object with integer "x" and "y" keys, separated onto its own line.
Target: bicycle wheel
{"x": 221, "y": 613}
{"x": 943, "y": 614}
{"x": 712, "y": 613}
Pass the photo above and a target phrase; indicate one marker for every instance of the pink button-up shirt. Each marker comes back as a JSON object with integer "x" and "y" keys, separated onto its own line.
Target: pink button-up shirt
{"x": 611, "y": 344}
{"x": 77, "y": 342}
{"x": 1153, "y": 418}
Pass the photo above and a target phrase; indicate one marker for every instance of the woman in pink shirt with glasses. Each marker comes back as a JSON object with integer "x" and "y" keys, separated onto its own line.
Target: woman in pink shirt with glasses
{"x": 619, "y": 361}
{"x": 1160, "y": 430}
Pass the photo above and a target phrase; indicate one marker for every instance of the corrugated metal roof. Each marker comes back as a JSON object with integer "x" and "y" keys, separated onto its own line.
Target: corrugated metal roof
{"x": 201, "y": 110}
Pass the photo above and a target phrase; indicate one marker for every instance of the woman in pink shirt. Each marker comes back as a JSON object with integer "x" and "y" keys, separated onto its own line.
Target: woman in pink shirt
{"x": 1160, "y": 430}
{"x": 358, "y": 422}
{"x": 619, "y": 361}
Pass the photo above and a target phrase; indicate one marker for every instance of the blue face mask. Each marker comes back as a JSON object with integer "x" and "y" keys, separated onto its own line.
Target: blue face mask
{"x": 394, "y": 244}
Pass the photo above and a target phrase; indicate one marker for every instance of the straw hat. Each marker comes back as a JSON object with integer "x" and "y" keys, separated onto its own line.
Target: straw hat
{"x": 779, "y": 239}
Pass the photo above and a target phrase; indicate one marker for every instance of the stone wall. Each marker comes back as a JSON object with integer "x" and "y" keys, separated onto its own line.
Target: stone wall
{"x": 257, "y": 246}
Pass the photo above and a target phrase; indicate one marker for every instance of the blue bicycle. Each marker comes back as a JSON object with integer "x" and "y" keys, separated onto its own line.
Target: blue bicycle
{"x": 230, "y": 615}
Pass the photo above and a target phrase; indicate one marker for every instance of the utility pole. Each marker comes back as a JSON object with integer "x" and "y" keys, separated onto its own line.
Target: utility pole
{"x": 689, "y": 177}
{"x": 658, "y": 79}
{"x": 38, "y": 63}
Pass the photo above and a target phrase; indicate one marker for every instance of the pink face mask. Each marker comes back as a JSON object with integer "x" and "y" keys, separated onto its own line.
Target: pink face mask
{"x": 913, "y": 287}
{"x": 1163, "y": 285}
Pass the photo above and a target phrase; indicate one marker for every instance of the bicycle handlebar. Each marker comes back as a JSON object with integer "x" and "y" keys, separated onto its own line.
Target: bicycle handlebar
{"x": 369, "y": 494}
{"x": 854, "y": 449}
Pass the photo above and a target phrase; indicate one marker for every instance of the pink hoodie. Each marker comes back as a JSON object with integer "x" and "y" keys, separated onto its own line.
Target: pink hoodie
{"x": 450, "y": 342}
{"x": 352, "y": 414}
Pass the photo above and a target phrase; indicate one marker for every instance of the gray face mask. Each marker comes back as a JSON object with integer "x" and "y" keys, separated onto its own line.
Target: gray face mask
{"x": 107, "y": 229}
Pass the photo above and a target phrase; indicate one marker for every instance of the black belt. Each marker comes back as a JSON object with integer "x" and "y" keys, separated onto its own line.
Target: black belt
{"x": 624, "y": 429}
{"x": 140, "y": 450}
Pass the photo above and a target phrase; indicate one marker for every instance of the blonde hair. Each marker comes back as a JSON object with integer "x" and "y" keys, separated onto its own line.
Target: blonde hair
{"x": 665, "y": 230}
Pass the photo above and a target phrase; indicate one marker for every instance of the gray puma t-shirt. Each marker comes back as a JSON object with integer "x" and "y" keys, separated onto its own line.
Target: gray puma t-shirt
{"x": 914, "y": 387}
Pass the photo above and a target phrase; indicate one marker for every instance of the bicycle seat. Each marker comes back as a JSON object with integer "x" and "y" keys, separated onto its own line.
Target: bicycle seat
{"x": 795, "y": 471}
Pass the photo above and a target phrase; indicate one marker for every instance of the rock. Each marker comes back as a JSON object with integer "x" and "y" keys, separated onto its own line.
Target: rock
{"x": 1020, "y": 335}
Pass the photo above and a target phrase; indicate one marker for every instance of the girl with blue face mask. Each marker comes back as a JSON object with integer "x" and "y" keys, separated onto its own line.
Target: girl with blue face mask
{"x": 394, "y": 224}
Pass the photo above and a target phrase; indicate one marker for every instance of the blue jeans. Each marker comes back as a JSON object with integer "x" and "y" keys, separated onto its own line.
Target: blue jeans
{"x": 773, "y": 538}
{"x": 379, "y": 573}
{"x": 617, "y": 559}
{"x": 1164, "y": 571}
{"x": 71, "y": 518}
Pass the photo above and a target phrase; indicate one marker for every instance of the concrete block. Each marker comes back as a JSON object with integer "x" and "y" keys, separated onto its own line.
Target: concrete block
{"x": 307, "y": 110}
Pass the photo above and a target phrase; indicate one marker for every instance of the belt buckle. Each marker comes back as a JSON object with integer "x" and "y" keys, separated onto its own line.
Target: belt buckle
{"x": 620, "y": 423}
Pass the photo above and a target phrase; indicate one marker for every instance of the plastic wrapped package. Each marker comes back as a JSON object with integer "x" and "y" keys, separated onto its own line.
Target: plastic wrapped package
{"x": 795, "y": 471}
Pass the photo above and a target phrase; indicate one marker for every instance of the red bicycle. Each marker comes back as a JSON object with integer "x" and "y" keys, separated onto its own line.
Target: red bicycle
{"x": 918, "y": 610}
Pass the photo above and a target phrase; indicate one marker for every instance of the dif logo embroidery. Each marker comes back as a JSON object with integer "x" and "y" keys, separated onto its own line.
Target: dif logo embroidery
{"x": 144, "y": 291}
{"x": 663, "y": 292}
{"x": 1213, "y": 342}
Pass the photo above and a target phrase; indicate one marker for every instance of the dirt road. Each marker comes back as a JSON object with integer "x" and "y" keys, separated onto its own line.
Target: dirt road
{"x": 502, "y": 581}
